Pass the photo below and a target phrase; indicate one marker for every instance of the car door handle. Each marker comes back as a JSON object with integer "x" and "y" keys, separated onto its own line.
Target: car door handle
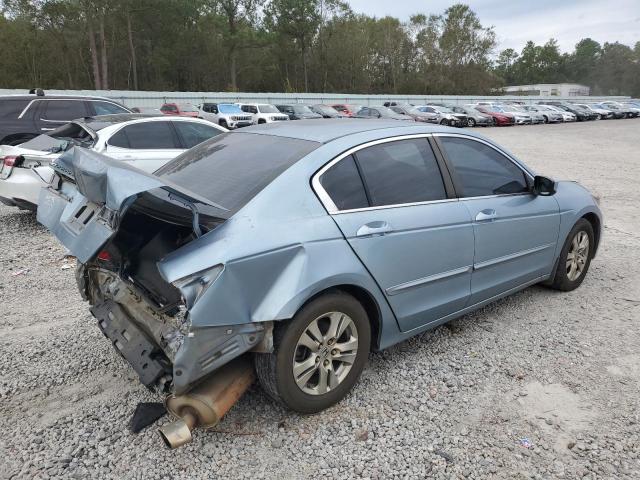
{"x": 374, "y": 228}
{"x": 46, "y": 129}
{"x": 486, "y": 215}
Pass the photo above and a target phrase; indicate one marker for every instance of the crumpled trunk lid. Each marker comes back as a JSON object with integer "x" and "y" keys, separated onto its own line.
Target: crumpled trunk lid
{"x": 83, "y": 205}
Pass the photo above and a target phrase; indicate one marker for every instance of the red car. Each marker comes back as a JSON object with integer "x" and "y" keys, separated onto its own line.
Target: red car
{"x": 346, "y": 109}
{"x": 180, "y": 109}
{"x": 499, "y": 118}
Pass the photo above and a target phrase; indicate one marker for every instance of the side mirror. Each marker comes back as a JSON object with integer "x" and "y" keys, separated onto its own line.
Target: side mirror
{"x": 543, "y": 186}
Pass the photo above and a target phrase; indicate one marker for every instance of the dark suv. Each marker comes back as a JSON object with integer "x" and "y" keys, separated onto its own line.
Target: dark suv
{"x": 23, "y": 117}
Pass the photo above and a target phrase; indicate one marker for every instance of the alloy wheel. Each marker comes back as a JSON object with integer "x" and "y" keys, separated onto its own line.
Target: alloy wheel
{"x": 577, "y": 255}
{"x": 471, "y": 122}
{"x": 325, "y": 353}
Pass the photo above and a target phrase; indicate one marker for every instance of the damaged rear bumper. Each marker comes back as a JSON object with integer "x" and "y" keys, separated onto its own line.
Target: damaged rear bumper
{"x": 162, "y": 347}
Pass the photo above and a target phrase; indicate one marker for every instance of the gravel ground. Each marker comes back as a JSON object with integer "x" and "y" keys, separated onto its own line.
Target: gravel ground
{"x": 540, "y": 385}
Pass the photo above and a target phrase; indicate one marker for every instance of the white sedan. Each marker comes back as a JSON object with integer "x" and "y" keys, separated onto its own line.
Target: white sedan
{"x": 145, "y": 142}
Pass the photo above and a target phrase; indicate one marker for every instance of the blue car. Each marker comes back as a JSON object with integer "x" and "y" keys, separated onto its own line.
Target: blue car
{"x": 304, "y": 245}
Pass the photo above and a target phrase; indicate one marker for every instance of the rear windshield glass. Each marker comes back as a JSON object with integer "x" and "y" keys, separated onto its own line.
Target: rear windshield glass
{"x": 232, "y": 168}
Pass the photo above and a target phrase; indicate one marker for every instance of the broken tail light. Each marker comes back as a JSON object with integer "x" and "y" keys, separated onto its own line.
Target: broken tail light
{"x": 193, "y": 286}
{"x": 12, "y": 160}
{"x": 104, "y": 256}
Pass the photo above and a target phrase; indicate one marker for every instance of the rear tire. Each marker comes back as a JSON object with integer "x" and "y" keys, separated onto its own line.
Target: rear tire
{"x": 575, "y": 257}
{"x": 471, "y": 122}
{"x": 546, "y": 119}
{"x": 444, "y": 121}
{"x": 309, "y": 374}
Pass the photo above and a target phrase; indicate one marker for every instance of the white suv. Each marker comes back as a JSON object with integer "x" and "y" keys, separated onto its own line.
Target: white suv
{"x": 264, "y": 113}
{"x": 227, "y": 115}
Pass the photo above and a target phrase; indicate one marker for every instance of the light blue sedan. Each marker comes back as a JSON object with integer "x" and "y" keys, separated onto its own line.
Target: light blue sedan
{"x": 307, "y": 244}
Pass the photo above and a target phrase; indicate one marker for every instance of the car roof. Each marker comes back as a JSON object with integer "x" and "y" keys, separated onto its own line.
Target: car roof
{"x": 99, "y": 122}
{"x": 54, "y": 97}
{"x": 105, "y": 120}
{"x": 327, "y": 130}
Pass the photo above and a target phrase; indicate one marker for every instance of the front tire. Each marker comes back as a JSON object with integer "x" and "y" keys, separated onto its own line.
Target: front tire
{"x": 318, "y": 356}
{"x": 471, "y": 122}
{"x": 575, "y": 257}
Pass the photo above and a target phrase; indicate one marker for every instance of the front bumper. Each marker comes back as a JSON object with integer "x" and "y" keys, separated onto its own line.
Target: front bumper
{"x": 231, "y": 125}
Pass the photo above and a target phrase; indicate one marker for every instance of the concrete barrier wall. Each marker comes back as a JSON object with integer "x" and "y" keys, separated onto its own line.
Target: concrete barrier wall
{"x": 133, "y": 98}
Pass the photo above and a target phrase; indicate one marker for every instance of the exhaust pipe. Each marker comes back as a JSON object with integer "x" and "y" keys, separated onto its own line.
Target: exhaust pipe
{"x": 206, "y": 404}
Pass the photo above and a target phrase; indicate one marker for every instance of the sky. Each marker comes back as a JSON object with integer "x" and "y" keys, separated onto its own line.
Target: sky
{"x": 517, "y": 21}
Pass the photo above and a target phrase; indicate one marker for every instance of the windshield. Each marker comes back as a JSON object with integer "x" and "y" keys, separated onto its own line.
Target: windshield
{"x": 231, "y": 168}
{"x": 387, "y": 111}
{"x": 302, "y": 109}
{"x": 325, "y": 109}
{"x": 187, "y": 107}
{"x": 415, "y": 111}
{"x": 229, "y": 108}
{"x": 442, "y": 109}
{"x": 267, "y": 109}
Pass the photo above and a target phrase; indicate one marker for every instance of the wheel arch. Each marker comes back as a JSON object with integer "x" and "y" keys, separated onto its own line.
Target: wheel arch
{"x": 365, "y": 298}
{"x": 593, "y": 219}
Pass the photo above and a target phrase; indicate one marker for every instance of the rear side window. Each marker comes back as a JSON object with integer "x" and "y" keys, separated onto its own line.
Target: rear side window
{"x": 404, "y": 171}
{"x": 343, "y": 184}
{"x": 63, "y": 110}
{"x": 149, "y": 135}
{"x": 193, "y": 133}
{"x": 230, "y": 169}
{"x": 107, "y": 108}
{"x": 12, "y": 108}
{"x": 482, "y": 170}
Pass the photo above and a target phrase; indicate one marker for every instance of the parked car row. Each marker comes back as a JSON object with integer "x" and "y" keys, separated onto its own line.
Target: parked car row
{"x": 36, "y": 129}
{"x": 470, "y": 115}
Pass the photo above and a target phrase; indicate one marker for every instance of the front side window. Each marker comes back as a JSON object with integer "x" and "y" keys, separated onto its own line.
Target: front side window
{"x": 193, "y": 133}
{"x": 343, "y": 184}
{"x": 149, "y": 135}
{"x": 482, "y": 170}
{"x": 107, "y": 108}
{"x": 64, "y": 110}
{"x": 403, "y": 171}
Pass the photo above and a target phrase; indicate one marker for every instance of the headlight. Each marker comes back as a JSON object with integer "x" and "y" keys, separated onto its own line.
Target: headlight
{"x": 193, "y": 286}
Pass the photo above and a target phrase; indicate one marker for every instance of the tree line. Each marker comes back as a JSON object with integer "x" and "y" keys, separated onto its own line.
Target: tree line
{"x": 283, "y": 45}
